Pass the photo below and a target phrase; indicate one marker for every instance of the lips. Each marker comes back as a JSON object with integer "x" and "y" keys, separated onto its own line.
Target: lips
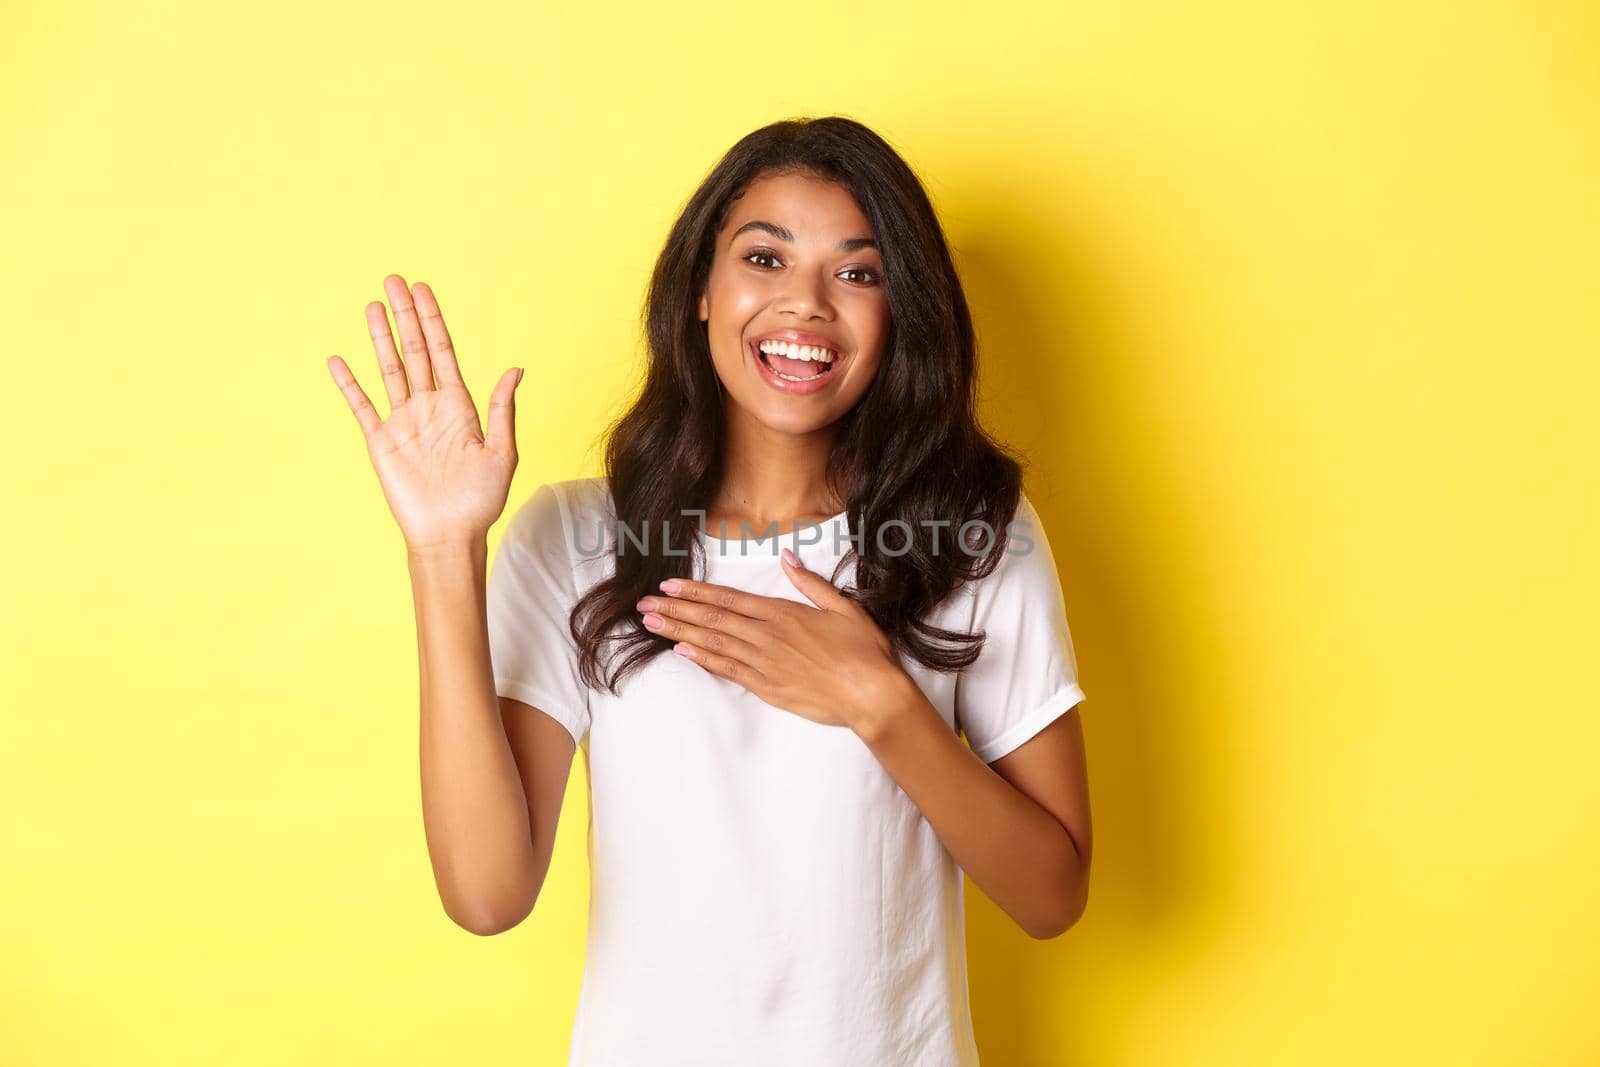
{"x": 802, "y": 368}
{"x": 794, "y": 368}
{"x": 802, "y": 387}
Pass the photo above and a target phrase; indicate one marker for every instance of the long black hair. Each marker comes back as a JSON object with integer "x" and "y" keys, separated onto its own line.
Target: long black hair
{"x": 911, "y": 449}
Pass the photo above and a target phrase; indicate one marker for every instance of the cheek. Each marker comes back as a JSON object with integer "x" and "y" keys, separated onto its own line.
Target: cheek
{"x": 733, "y": 294}
{"x": 873, "y": 325}
{"x": 880, "y": 355}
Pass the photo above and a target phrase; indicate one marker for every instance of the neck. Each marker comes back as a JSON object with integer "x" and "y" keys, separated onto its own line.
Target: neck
{"x": 769, "y": 476}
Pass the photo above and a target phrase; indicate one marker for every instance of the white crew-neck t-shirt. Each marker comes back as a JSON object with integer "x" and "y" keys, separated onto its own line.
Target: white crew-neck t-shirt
{"x": 763, "y": 893}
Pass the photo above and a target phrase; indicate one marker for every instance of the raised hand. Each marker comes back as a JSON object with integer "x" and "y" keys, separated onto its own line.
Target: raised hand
{"x": 445, "y": 481}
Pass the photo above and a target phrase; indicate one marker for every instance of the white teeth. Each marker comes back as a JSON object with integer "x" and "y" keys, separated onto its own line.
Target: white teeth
{"x": 793, "y": 351}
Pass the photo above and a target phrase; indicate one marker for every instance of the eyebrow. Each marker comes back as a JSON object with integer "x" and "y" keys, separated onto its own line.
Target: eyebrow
{"x": 849, "y": 244}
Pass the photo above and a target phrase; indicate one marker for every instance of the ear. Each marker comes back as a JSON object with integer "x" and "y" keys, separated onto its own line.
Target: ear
{"x": 704, "y": 309}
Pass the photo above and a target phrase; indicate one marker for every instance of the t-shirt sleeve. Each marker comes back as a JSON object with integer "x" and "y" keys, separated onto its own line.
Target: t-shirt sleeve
{"x": 530, "y": 593}
{"x": 1026, "y": 677}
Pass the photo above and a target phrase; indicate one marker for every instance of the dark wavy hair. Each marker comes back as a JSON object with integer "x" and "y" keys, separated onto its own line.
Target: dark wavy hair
{"x": 911, "y": 449}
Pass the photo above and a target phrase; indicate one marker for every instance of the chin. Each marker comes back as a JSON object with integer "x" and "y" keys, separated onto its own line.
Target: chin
{"x": 792, "y": 422}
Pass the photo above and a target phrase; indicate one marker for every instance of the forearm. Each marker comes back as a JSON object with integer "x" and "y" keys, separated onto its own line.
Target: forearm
{"x": 1013, "y": 849}
{"x": 474, "y": 812}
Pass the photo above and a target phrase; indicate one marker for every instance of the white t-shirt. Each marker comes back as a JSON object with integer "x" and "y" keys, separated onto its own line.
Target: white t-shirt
{"x": 763, "y": 893}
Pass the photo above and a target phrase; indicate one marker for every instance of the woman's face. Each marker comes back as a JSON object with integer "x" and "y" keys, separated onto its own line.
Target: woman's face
{"x": 795, "y": 262}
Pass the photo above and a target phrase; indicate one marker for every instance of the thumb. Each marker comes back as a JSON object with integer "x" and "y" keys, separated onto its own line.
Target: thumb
{"x": 502, "y": 436}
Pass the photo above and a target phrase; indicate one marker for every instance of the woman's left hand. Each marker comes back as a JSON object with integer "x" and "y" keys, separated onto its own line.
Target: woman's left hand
{"x": 829, "y": 663}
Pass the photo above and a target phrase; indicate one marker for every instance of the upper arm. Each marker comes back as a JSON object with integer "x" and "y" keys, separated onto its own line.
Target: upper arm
{"x": 531, "y": 591}
{"x": 1052, "y": 770}
{"x": 1025, "y": 678}
{"x": 534, "y": 657}
{"x": 1018, "y": 704}
{"x": 543, "y": 750}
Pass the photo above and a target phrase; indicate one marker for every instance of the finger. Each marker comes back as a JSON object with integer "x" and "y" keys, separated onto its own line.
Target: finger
{"x": 723, "y": 644}
{"x": 747, "y": 639}
{"x": 502, "y": 437}
{"x": 814, "y": 586}
{"x": 394, "y": 372}
{"x": 756, "y": 607}
{"x": 414, "y": 349}
{"x": 366, "y": 415}
{"x": 440, "y": 350}
{"x": 724, "y": 667}
{"x": 707, "y": 617}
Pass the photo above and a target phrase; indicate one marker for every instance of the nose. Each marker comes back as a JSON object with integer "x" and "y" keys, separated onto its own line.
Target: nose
{"x": 805, "y": 295}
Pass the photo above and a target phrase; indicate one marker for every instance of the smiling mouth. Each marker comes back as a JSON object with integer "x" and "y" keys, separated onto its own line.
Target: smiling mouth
{"x": 795, "y": 370}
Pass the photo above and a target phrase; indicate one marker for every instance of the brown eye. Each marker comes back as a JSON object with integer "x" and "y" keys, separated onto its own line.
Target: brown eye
{"x": 758, "y": 254}
{"x": 863, "y": 270}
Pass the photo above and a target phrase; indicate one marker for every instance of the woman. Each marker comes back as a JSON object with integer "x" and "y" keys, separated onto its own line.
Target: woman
{"x": 780, "y": 805}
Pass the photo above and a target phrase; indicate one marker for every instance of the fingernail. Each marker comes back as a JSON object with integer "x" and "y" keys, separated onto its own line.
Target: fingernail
{"x": 519, "y": 377}
{"x": 647, "y": 604}
{"x": 682, "y": 650}
{"x": 669, "y": 587}
{"x": 654, "y": 622}
{"x": 793, "y": 559}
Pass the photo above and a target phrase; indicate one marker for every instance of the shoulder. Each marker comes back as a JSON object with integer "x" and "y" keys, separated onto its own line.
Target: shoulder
{"x": 1026, "y": 560}
{"x": 1025, "y": 531}
{"x": 585, "y": 498}
{"x": 547, "y": 519}
{"x": 566, "y": 527}
{"x": 563, "y": 503}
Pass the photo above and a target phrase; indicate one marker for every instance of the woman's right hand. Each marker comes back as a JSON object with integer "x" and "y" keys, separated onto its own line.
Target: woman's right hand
{"x": 446, "y": 483}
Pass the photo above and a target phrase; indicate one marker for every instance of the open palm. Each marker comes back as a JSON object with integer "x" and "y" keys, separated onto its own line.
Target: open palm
{"x": 445, "y": 481}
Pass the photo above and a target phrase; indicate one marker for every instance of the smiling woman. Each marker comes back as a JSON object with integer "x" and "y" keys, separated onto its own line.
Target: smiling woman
{"x": 781, "y": 804}
{"x": 764, "y": 265}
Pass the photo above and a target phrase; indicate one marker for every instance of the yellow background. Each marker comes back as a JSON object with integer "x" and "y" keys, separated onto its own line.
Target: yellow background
{"x": 1292, "y": 306}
